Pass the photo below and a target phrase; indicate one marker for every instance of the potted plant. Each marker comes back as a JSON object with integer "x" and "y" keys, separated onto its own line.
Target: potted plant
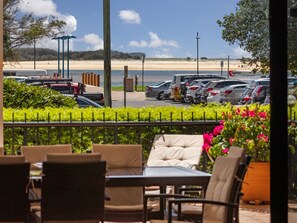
{"x": 250, "y": 129}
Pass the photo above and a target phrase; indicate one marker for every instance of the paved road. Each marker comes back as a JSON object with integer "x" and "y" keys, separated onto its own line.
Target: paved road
{"x": 136, "y": 103}
{"x": 134, "y": 99}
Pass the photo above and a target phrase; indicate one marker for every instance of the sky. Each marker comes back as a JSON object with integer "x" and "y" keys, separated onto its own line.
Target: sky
{"x": 158, "y": 28}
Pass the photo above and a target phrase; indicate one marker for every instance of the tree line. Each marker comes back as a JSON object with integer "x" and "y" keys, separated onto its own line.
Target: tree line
{"x": 41, "y": 54}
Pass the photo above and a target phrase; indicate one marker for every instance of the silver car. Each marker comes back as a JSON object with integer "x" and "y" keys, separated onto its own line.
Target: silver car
{"x": 212, "y": 88}
{"x": 232, "y": 93}
{"x": 190, "y": 91}
{"x": 157, "y": 91}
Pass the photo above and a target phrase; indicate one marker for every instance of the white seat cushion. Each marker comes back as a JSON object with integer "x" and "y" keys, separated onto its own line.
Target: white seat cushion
{"x": 176, "y": 150}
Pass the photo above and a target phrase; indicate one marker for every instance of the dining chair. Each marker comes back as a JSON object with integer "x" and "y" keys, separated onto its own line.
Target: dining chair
{"x": 126, "y": 203}
{"x": 73, "y": 190}
{"x": 37, "y": 153}
{"x": 176, "y": 150}
{"x": 194, "y": 212}
{"x": 14, "y": 182}
{"x": 218, "y": 205}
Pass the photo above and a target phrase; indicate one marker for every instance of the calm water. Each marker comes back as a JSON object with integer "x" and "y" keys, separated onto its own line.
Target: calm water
{"x": 150, "y": 77}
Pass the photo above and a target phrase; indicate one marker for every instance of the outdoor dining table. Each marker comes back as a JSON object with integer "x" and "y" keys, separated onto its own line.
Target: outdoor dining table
{"x": 147, "y": 176}
{"x": 161, "y": 176}
{"x": 156, "y": 176}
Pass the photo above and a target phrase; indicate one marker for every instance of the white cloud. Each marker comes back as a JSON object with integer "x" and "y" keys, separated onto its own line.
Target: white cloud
{"x": 130, "y": 16}
{"x": 48, "y": 8}
{"x": 71, "y": 24}
{"x": 94, "y": 42}
{"x": 141, "y": 43}
{"x": 38, "y": 7}
{"x": 155, "y": 42}
{"x": 239, "y": 52}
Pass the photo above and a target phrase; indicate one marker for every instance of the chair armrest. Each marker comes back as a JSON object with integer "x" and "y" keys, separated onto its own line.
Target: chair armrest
{"x": 193, "y": 200}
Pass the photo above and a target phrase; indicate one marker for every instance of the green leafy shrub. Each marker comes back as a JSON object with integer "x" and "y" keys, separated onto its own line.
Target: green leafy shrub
{"x": 20, "y": 95}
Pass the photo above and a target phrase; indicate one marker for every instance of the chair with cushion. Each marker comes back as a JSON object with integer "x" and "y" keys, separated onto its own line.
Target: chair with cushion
{"x": 194, "y": 212}
{"x": 37, "y": 154}
{"x": 14, "y": 182}
{"x": 176, "y": 150}
{"x": 73, "y": 190}
{"x": 126, "y": 203}
{"x": 218, "y": 205}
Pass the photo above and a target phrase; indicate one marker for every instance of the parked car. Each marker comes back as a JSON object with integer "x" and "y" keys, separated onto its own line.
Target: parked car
{"x": 232, "y": 93}
{"x": 83, "y": 102}
{"x": 246, "y": 97}
{"x": 260, "y": 94}
{"x": 167, "y": 94}
{"x": 212, "y": 88}
{"x": 180, "y": 81}
{"x": 157, "y": 91}
{"x": 190, "y": 91}
{"x": 20, "y": 79}
{"x": 75, "y": 88}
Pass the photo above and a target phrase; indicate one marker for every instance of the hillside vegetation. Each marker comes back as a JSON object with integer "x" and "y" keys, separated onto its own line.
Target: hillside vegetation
{"x": 27, "y": 54}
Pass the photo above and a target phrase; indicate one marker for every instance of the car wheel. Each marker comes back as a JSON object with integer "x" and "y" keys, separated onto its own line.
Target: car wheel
{"x": 161, "y": 95}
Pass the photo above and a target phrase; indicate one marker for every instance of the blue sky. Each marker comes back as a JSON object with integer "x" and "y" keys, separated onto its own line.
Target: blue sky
{"x": 158, "y": 28}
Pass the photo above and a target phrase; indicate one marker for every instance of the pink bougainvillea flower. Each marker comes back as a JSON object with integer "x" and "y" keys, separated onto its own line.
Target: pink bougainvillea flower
{"x": 252, "y": 113}
{"x": 237, "y": 111}
{"x": 263, "y": 137}
{"x": 244, "y": 113}
{"x": 226, "y": 150}
{"x": 206, "y": 147}
{"x": 217, "y": 130}
{"x": 231, "y": 140}
{"x": 207, "y": 138}
{"x": 262, "y": 115}
{"x": 222, "y": 122}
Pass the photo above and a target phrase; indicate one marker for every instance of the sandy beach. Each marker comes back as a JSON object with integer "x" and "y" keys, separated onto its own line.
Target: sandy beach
{"x": 153, "y": 64}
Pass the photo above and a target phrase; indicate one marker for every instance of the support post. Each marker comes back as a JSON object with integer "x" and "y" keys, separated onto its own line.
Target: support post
{"x": 107, "y": 53}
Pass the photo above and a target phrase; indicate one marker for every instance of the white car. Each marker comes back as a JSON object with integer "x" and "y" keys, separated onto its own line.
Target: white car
{"x": 232, "y": 93}
{"x": 193, "y": 87}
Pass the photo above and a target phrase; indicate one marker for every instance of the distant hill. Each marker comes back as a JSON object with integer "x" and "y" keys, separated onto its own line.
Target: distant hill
{"x": 27, "y": 54}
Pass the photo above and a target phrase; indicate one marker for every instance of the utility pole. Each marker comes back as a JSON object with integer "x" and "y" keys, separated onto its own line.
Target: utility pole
{"x": 107, "y": 57}
{"x": 197, "y": 38}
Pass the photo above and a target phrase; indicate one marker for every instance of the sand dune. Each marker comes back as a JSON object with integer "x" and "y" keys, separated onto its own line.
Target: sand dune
{"x": 190, "y": 65}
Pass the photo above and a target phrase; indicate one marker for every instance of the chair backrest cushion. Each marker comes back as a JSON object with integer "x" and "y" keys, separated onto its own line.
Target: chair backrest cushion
{"x": 11, "y": 159}
{"x": 235, "y": 151}
{"x": 120, "y": 155}
{"x": 35, "y": 154}
{"x": 219, "y": 187}
{"x": 72, "y": 158}
{"x": 176, "y": 150}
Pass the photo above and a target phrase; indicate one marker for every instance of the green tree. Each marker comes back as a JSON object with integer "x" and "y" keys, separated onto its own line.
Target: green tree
{"x": 23, "y": 29}
{"x": 248, "y": 27}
